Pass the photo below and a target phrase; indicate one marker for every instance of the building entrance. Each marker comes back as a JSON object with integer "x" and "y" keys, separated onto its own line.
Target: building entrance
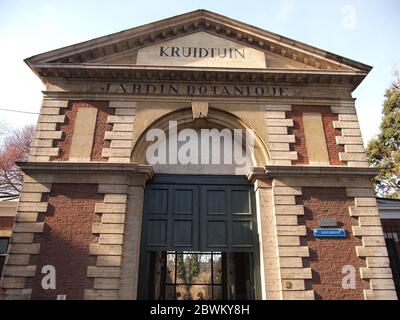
{"x": 199, "y": 239}
{"x": 192, "y": 275}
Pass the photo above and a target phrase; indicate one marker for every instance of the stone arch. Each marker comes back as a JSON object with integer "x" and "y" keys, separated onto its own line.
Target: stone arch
{"x": 215, "y": 119}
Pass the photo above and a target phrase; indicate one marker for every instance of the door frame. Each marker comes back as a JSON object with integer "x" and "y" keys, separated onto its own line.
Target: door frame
{"x": 176, "y": 179}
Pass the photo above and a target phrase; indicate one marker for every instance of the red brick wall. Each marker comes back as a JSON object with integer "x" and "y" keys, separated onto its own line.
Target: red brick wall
{"x": 68, "y": 128}
{"x": 329, "y": 255}
{"x": 6, "y": 223}
{"x": 65, "y": 241}
{"x": 330, "y": 133}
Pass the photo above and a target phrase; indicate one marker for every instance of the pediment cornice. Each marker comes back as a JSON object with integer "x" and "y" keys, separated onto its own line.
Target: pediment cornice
{"x": 200, "y": 74}
{"x": 90, "y": 55}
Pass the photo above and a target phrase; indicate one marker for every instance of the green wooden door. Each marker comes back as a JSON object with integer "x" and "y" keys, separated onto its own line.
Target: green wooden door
{"x": 171, "y": 217}
{"x": 198, "y": 213}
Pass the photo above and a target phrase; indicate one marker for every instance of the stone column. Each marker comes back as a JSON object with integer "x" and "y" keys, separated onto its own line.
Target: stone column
{"x": 131, "y": 241}
{"x": 282, "y": 271}
{"x": 266, "y": 224}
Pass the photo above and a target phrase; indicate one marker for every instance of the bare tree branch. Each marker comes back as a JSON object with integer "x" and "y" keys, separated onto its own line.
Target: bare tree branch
{"x": 15, "y": 146}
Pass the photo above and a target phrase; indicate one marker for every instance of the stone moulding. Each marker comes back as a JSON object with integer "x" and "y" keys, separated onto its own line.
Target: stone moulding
{"x": 99, "y": 167}
{"x": 274, "y": 171}
{"x": 132, "y": 72}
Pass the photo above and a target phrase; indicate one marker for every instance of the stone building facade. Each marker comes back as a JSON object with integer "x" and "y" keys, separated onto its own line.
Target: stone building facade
{"x": 110, "y": 222}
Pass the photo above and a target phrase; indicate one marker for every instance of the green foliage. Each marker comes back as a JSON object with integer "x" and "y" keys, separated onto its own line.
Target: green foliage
{"x": 383, "y": 151}
{"x": 194, "y": 265}
{"x": 180, "y": 268}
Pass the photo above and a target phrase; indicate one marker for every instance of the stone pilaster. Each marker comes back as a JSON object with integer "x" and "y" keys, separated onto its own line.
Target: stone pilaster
{"x": 131, "y": 239}
{"x": 269, "y": 263}
{"x": 283, "y": 271}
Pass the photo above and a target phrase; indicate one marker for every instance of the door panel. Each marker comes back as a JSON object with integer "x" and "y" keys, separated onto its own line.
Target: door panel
{"x": 195, "y": 215}
{"x": 215, "y": 223}
{"x": 171, "y": 217}
{"x": 184, "y": 213}
{"x": 183, "y": 217}
{"x": 229, "y": 224}
{"x": 158, "y": 237}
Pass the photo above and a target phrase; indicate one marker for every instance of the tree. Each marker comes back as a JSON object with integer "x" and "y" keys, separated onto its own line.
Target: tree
{"x": 383, "y": 151}
{"x": 180, "y": 267}
{"x": 194, "y": 265}
{"x": 14, "y": 146}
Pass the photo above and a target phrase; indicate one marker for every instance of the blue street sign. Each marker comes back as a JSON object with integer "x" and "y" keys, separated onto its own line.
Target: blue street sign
{"x": 329, "y": 232}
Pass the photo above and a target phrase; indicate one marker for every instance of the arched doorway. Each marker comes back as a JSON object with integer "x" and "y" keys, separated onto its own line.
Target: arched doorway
{"x": 216, "y": 120}
{"x": 199, "y": 236}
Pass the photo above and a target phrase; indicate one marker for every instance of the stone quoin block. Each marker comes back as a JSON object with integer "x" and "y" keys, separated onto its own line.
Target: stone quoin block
{"x": 371, "y": 251}
{"x": 108, "y": 228}
{"x": 289, "y": 210}
{"x": 380, "y": 295}
{"x": 293, "y": 251}
{"x": 377, "y": 262}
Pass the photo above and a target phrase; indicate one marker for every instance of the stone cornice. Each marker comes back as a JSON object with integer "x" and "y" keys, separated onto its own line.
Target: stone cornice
{"x": 308, "y": 171}
{"x": 85, "y": 53}
{"x": 93, "y": 168}
{"x": 162, "y": 73}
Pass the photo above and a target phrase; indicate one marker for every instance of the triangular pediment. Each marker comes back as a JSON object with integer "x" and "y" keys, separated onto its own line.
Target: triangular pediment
{"x": 203, "y": 49}
{"x": 215, "y": 41}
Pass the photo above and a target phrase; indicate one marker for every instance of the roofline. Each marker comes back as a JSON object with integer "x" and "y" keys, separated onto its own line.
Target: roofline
{"x": 111, "y": 36}
{"x": 192, "y": 68}
{"x": 296, "y": 43}
{"x": 191, "y": 15}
